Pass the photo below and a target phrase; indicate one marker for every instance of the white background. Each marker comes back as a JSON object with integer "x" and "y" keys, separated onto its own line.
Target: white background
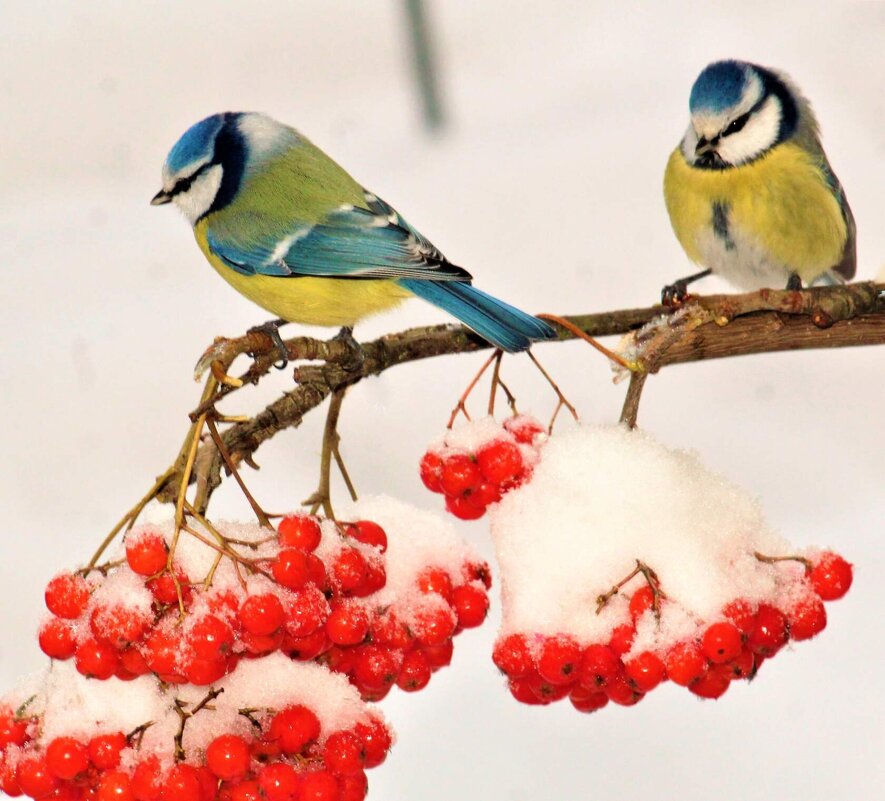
{"x": 547, "y": 186}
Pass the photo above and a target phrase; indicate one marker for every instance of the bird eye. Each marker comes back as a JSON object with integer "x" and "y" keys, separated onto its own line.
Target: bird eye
{"x": 735, "y": 125}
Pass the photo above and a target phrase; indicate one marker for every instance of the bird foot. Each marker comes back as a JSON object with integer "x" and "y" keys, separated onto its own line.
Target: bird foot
{"x": 272, "y": 329}
{"x": 675, "y": 295}
{"x": 357, "y": 356}
{"x": 794, "y": 283}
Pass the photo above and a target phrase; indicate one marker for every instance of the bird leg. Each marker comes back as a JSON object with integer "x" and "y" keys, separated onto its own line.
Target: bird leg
{"x": 794, "y": 283}
{"x": 674, "y": 294}
{"x": 272, "y": 329}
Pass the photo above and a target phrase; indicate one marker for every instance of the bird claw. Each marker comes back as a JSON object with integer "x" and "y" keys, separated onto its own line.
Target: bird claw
{"x": 272, "y": 329}
{"x": 358, "y": 355}
{"x": 675, "y": 295}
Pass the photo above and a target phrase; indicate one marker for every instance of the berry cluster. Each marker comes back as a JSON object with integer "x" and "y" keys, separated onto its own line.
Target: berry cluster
{"x": 542, "y": 669}
{"x": 476, "y": 465}
{"x": 313, "y": 590}
{"x": 289, "y": 752}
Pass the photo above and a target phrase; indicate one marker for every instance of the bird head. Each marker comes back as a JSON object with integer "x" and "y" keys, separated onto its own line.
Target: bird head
{"x": 739, "y": 112}
{"x": 207, "y": 166}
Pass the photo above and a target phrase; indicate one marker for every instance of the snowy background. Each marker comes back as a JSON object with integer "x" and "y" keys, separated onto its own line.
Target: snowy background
{"x": 547, "y": 186}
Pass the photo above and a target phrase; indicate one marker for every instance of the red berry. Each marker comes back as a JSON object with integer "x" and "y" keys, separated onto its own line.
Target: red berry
{"x": 463, "y": 508}
{"x": 347, "y": 624}
{"x": 415, "y": 672}
{"x": 388, "y": 629}
{"x": 438, "y": 656}
{"x": 721, "y": 643}
{"x": 228, "y": 757}
{"x": 831, "y": 576}
{"x": 67, "y": 757}
{"x": 13, "y": 731}
{"x": 294, "y": 728}
{"x": 67, "y": 595}
{"x": 300, "y": 531}
{"x": 35, "y": 778}
{"x": 600, "y": 666}
{"x": 646, "y": 671}
{"x": 500, "y": 461}
{"x": 621, "y": 640}
{"x": 522, "y": 690}
{"x": 741, "y": 614}
{"x": 714, "y": 683}
{"x": 114, "y": 786}
{"x": 165, "y": 589}
{"x": 261, "y": 614}
{"x": 585, "y": 700}
{"x": 118, "y": 625}
{"x": 104, "y": 750}
{"x": 641, "y": 601}
{"x": 246, "y": 791}
{"x": 368, "y": 533}
{"x": 686, "y": 663}
{"x": 376, "y": 740}
{"x": 434, "y": 626}
{"x": 485, "y": 494}
{"x": 161, "y": 651}
{"x": 471, "y": 605}
{"x": 319, "y": 786}
{"x": 743, "y": 665}
{"x": 95, "y": 659}
{"x": 353, "y": 786}
{"x": 349, "y": 571}
{"x": 512, "y": 656}
{"x": 203, "y": 672}
{"x": 343, "y": 753}
{"x": 147, "y": 780}
{"x": 8, "y": 779}
{"x": 435, "y": 580}
{"x": 306, "y": 611}
{"x": 211, "y": 638}
{"x": 57, "y": 639}
{"x": 291, "y": 568}
{"x": 305, "y": 648}
{"x": 524, "y": 428}
{"x": 430, "y": 470}
{"x": 146, "y": 553}
{"x": 375, "y": 668}
{"x": 559, "y": 660}
{"x": 806, "y": 618}
{"x": 623, "y": 692}
{"x": 278, "y": 782}
{"x": 770, "y": 632}
{"x": 460, "y": 474}
{"x": 182, "y": 783}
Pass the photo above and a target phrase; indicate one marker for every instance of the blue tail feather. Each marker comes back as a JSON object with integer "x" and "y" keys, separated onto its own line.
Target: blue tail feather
{"x": 501, "y": 324}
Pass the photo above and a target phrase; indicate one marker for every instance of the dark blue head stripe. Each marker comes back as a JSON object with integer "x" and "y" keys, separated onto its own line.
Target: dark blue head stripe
{"x": 719, "y": 86}
{"x": 230, "y": 153}
{"x": 774, "y": 85}
{"x": 195, "y": 143}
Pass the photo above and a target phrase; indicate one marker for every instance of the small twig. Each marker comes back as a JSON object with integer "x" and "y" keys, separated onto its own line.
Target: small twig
{"x": 771, "y": 560}
{"x": 496, "y": 379}
{"x": 630, "y": 409}
{"x": 184, "y": 715}
{"x": 650, "y": 576}
{"x": 568, "y": 325}
{"x": 563, "y": 401}
{"x": 342, "y": 469}
{"x": 461, "y": 405}
{"x": 135, "y": 737}
{"x": 323, "y": 495}
{"x": 219, "y": 443}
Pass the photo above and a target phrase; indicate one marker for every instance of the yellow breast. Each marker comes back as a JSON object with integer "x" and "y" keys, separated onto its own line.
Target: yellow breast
{"x": 780, "y": 204}
{"x": 310, "y": 301}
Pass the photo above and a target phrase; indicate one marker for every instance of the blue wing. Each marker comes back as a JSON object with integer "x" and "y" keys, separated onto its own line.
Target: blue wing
{"x": 351, "y": 242}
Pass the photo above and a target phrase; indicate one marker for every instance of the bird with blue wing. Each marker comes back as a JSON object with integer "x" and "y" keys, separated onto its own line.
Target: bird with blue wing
{"x": 292, "y": 231}
{"x": 749, "y": 190}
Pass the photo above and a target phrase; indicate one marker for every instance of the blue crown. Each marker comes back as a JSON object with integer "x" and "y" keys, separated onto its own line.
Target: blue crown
{"x": 196, "y": 143}
{"x": 719, "y": 87}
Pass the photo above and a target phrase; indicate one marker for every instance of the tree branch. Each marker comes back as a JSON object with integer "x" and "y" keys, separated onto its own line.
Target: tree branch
{"x": 710, "y": 327}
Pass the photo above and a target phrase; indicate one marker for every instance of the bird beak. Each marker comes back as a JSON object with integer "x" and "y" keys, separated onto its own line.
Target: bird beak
{"x": 161, "y": 198}
{"x": 703, "y": 146}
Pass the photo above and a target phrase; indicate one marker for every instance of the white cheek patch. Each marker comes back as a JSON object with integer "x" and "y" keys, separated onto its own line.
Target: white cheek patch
{"x": 198, "y": 199}
{"x": 757, "y": 136}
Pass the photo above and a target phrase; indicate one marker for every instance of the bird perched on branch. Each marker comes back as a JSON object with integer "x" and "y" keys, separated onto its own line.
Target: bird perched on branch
{"x": 292, "y": 231}
{"x": 749, "y": 190}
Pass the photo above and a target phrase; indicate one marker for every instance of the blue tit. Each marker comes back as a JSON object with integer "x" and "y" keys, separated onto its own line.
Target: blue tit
{"x": 749, "y": 190}
{"x": 288, "y": 228}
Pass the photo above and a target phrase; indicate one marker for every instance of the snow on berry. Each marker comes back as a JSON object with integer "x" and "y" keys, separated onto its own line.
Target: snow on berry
{"x": 274, "y": 722}
{"x": 625, "y": 563}
{"x": 474, "y": 465}
{"x": 352, "y": 594}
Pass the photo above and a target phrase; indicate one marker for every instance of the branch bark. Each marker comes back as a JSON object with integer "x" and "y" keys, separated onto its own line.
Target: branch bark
{"x": 712, "y": 327}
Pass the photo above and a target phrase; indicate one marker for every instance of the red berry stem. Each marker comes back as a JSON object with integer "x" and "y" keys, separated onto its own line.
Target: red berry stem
{"x": 186, "y": 714}
{"x": 651, "y": 578}
{"x": 771, "y": 560}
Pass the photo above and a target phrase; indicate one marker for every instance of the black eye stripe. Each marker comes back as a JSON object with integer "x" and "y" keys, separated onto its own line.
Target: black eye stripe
{"x": 183, "y": 184}
{"x": 737, "y": 124}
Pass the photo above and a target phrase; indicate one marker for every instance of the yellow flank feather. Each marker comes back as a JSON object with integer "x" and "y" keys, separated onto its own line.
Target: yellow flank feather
{"x": 780, "y": 204}
{"x": 309, "y": 300}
